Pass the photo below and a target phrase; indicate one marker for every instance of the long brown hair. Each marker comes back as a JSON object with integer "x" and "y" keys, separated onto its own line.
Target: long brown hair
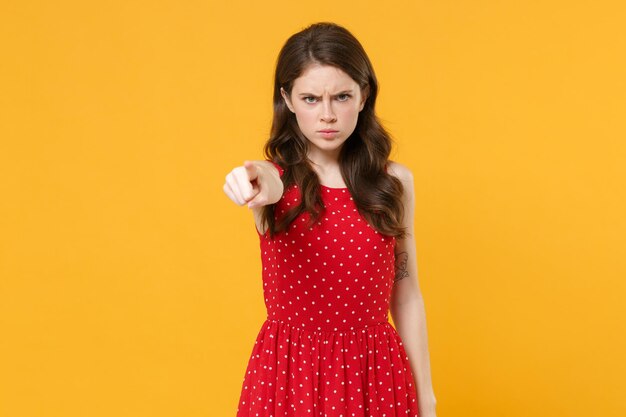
{"x": 364, "y": 155}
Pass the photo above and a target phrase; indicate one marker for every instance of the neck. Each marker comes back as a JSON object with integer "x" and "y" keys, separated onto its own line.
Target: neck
{"x": 324, "y": 161}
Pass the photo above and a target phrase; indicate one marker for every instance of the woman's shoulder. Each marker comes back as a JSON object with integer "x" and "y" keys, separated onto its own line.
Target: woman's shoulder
{"x": 404, "y": 174}
{"x": 400, "y": 171}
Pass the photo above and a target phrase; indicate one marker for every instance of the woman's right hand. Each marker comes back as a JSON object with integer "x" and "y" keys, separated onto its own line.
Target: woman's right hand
{"x": 255, "y": 183}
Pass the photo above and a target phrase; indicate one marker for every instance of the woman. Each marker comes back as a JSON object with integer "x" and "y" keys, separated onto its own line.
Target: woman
{"x": 335, "y": 221}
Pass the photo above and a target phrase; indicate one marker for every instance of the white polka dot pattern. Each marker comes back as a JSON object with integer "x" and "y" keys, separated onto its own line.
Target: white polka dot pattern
{"x": 326, "y": 347}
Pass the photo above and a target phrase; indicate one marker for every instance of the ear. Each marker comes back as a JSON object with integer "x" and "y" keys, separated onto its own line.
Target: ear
{"x": 364, "y": 95}
{"x": 287, "y": 100}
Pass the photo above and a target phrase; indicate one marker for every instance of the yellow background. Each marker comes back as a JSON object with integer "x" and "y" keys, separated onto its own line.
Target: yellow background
{"x": 130, "y": 284}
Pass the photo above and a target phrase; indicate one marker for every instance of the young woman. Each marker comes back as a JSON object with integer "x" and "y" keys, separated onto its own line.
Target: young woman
{"x": 335, "y": 221}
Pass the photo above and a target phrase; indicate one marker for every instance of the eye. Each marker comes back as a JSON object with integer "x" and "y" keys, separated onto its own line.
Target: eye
{"x": 307, "y": 97}
{"x": 347, "y": 96}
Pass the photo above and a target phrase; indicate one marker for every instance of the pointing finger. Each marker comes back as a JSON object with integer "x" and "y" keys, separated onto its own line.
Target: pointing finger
{"x": 251, "y": 170}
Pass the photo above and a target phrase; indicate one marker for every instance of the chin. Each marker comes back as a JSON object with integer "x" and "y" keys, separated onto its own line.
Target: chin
{"x": 329, "y": 146}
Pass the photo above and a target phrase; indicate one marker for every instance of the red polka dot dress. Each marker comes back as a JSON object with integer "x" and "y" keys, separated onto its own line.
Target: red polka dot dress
{"x": 326, "y": 348}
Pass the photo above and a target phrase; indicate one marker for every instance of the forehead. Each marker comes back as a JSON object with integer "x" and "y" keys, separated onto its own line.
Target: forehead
{"x": 318, "y": 78}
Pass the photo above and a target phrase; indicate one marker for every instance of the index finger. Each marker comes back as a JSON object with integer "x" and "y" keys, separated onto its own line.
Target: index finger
{"x": 251, "y": 170}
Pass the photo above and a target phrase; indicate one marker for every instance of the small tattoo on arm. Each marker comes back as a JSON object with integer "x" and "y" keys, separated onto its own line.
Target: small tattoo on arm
{"x": 401, "y": 266}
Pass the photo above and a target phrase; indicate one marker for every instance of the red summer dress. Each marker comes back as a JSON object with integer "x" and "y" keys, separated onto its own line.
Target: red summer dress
{"x": 326, "y": 348}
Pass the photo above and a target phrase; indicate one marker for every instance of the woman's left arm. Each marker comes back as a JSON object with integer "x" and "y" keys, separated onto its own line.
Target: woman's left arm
{"x": 407, "y": 304}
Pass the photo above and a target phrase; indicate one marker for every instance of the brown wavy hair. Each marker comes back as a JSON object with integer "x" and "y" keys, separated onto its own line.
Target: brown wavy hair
{"x": 364, "y": 155}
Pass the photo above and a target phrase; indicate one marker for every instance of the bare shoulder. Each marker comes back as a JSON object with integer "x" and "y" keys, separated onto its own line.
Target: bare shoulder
{"x": 404, "y": 174}
{"x": 400, "y": 171}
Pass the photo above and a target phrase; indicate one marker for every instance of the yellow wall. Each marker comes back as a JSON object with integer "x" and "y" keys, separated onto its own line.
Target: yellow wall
{"x": 130, "y": 284}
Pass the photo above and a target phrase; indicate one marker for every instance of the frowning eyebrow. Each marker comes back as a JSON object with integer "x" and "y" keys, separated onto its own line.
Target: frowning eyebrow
{"x": 338, "y": 94}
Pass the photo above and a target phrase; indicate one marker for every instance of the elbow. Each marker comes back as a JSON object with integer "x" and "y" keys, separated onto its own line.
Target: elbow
{"x": 405, "y": 292}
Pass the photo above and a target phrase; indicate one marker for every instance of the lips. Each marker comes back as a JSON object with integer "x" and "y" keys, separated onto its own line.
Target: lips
{"x": 328, "y": 134}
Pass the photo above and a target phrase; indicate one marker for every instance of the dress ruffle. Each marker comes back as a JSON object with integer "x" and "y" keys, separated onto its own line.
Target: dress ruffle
{"x": 294, "y": 372}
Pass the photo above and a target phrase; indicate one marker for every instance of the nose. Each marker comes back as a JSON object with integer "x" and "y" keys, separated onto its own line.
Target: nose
{"x": 327, "y": 112}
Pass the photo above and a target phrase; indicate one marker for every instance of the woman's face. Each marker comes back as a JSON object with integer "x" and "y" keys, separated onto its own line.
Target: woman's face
{"x": 325, "y": 98}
